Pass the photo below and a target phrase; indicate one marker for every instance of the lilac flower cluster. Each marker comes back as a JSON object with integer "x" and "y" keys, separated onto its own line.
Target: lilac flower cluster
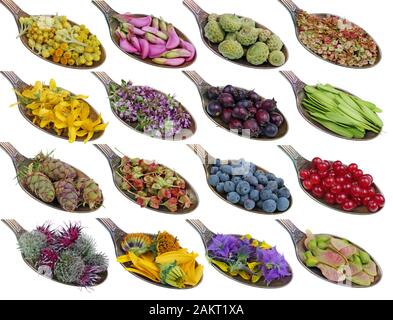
{"x": 244, "y": 254}
{"x": 149, "y": 110}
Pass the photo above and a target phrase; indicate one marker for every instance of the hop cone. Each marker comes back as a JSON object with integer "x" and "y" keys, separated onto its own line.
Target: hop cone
{"x": 67, "y": 195}
{"x": 89, "y": 192}
{"x": 69, "y": 268}
{"x": 41, "y": 186}
{"x": 54, "y": 169}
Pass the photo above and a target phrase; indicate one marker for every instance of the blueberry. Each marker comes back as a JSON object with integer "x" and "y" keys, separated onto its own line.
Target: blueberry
{"x": 220, "y": 187}
{"x": 226, "y": 168}
{"x": 262, "y": 179}
{"x": 280, "y": 182}
{"x": 224, "y": 177}
{"x": 271, "y": 177}
{"x": 282, "y": 204}
{"x": 243, "y": 199}
{"x": 233, "y": 197}
{"x": 214, "y": 180}
{"x": 218, "y": 162}
{"x": 274, "y": 197}
{"x": 254, "y": 195}
{"x": 252, "y": 180}
{"x": 260, "y": 187}
{"x": 259, "y": 172}
{"x": 249, "y": 204}
{"x": 284, "y": 193}
{"x": 236, "y": 179}
{"x": 266, "y": 194}
{"x": 243, "y": 188}
{"x": 229, "y": 186}
{"x": 269, "y": 206}
{"x": 214, "y": 170}
{"x": 272, "y": 185}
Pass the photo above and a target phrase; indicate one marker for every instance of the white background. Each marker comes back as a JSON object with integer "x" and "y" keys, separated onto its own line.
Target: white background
{"x": 371, "y": 232}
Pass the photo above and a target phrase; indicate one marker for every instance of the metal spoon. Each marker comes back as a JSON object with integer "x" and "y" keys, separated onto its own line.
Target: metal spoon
{"x": 298, "y": 238}
{"x": 294, "y": 11}
{"x": 207, "y": 236}
{"x": 302, "y": 163}
{"x": 19, "y": 85}
{"x": 208, "y": 162}
{"x": 19, "y": 231}
{"x": 117, "y": 236}
{"x": 115, "y": 161}
{"x": 203, "y": 87}
{"x": 113, "y": 24}
{"x": 20, "y": 162}
{"x": 109, "y": 84}
{"x": 202, "y": 19}
{"x": 298, "y": 88}
{"x": 19, "y": 13}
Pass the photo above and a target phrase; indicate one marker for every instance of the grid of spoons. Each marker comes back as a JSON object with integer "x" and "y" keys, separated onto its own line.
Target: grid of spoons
{"x": 207, "y": 235}
{"x": 113, "y": 24}
{"x": 19, "y": 85}
{"x": 18, "y": 230}
{"x": 18, "y": 13}
{"x": 294, "y": 11}
{"x": 298, "y": 238}
{"x": 117, "y": 236}
{"x": 115, "y": 162}
{"x": 184, "y": 134}
{"x": 203, "y": 88}
{"x": 302, "y": 163}
{"x": 208, "y": 162}
{"x": 298, "y": 88}
{"x": 21, "y": 163}
{"x": 202, "y": 18}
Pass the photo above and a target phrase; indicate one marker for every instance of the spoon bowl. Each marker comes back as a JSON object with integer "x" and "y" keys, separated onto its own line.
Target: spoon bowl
{"x": 19, "y": 231}
{"x": 207, "y": 236}
{"x": 19, "y": 13}
{"x": 182, "y": 135}
{"x": 20, "y": 162}
{"x": 298, "y": 238}
{"x": 19, "y": 85}
{"x": 202, "y": 19}
{"x": 113, "y": 24}
{"x": 117, "y": 236}
{"x": 298, "y": 88}
{"x": 115, "y": 161}
{"x": 302, "y": 163}
{"x": 294, "y": 11}
{"x": 208, "y": 161}
{"x": 203, "y": 88}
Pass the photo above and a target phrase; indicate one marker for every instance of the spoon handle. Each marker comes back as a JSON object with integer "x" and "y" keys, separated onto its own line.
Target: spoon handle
{"x": 105, "y": 79}
{"x": 296, "y": 234}
{"x": 203, "y": 231}
{"x": 105, "y": 9}
{"x": 116, "y": 233}
{"x": 16, "y": 228}
{"x": 201, "y": 84}
{"x": 112, "y": 157}
{"x": 14, "y": 9}
{"x": 205, "y": 157}
{"x": 297, "y": 84}
{"x": 296, "y": 158}
{"x": 291, "y": 6}
{"x": 200, "y": 14}
{"x": 16, "y": 156}
{"x": 16, "y": 82}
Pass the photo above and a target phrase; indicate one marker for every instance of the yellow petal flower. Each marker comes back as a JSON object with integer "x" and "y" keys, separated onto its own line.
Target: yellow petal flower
{"x": 222, "y": 265}
{"x": 52, "y": 84}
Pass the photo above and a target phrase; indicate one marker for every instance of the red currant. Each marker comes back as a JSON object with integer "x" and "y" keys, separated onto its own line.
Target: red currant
{"x": 365, "y": 181}
{"x": 379, "y": 199}
{"x": 331, "y": 174}
{"x": 304, "y": 174}
{"x": 347, "y": 187}
{"x": 336, "y": 164}
{"x": 363, "y": 193}
{"x": 318, "y": 192}
{"x": 373, "y": 206}
{"x": 315, "y": 179}
{"x": 356, "y": 191}
{"x": 316, "y": 161}
{"x": 357, "y": 174}
{"x": 348, "y": 177}
{"x": 371, "y": 192}
{"x": 341, "y": 198}
{"x": 307, "y": 184}
{"x": 352, "y": 168}
{"x": 365, "y": 201}
{"x": 323, "y": 166}
{"x": 340, "y": 170}
{"x": 328, "y": 182}
{"x": 349, "y": 205}
{"x": 336, "y": 189}
{"x": 358, "y": 201}
{"x": 323, "y": 175}
{"x": 340, "y": 180}
{"x": 330, "y": 198}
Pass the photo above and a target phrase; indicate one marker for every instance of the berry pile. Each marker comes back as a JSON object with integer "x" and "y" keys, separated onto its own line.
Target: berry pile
{"x": 345, "y": 186}
{"x": 241, "y": 183}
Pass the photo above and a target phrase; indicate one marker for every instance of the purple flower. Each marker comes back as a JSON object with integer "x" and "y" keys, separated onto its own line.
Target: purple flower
{"x": 274, "y": 265}
{"x": 224, "y": 246}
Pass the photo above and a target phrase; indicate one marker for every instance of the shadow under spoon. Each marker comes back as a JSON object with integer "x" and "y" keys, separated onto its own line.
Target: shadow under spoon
{"x": 208, "y": 161}
{"x": 110, "y": 85}
{"x": 298, "y": 237}
{"x": 298, "y": 88}
{"x": 302, "y": 163}
{"x": 21, "y": 162}
{"x": 19, "y": 85}
{"x": 115, "y": 162}
{"x": 18, "y": 230}
{"x": 207, "y": 235}
{"x": 18, "y": 13}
